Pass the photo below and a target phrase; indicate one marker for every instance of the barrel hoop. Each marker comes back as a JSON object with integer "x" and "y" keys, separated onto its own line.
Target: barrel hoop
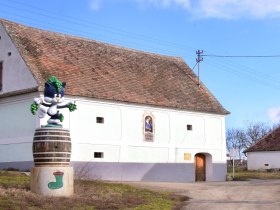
{"x": 52, "y": 133}
{"x": 52, "y": 130}
{"x": 51, "y": 158}
{"x": 65, "y": 141}
{"x": 51, "y": 140}
{"x": 51, "y": 137}
{"x": 52, "y": 163}
{"x": 51, "y": 146}
{"x": 66, "y": 136}
{"x": 51, "y": 155}
{"x": 57, "y": 160}
{"x": 38, "y": 153}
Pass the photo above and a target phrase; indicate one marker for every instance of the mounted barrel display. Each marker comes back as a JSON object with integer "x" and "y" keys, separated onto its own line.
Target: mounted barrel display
{"x": 52, "y": 174}
{"x": 51, "y": 147}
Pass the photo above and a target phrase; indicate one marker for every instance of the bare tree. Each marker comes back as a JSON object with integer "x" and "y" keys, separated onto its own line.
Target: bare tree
{"x": 236, "y": 140}
{"x": 255, "y": 132}
{"x": 241, "y": 139}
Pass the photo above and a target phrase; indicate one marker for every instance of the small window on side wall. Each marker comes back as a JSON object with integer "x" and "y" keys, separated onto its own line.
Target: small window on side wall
{"x": 100, "y": 120}
{"x": 98, "y": 154}
{"x": 189, "y": 127}
{"x": 1, "y": 76}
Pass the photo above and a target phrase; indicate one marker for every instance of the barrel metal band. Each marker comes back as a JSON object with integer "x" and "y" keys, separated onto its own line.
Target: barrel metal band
{"x": 39, "y": 153}
{"x": 44, "y": 158}
{"x": 51, "y": 141}
{"x": 46, "y": 136}
{"x": 52, "y": 163}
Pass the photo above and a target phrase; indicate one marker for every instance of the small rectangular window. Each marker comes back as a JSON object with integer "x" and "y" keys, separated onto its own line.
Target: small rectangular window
{"x": 99, "y": 119}
{"x": 98, "y": 154}
{"x": 1, "y": 76}
{"x": 189, "y": 127}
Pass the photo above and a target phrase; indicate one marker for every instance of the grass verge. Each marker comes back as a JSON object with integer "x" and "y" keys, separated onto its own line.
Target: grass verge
{"x": 242, "y": 174}
{"x": 89, "y": 195}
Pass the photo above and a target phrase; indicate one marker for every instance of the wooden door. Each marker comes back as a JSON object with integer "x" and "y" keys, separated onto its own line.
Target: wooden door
{"x": 200, "y": 167}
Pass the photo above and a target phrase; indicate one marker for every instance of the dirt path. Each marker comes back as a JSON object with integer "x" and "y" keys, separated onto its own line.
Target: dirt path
{"x": 252, "y": 195}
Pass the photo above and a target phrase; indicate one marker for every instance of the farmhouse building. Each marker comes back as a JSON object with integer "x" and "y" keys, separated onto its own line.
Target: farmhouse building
{"x": 141, "y": 116}
{"x": 265, "y": 154}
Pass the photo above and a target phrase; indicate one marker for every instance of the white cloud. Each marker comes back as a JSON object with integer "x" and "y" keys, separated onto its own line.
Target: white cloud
{"x": 274, "y": 114}
{"x": 224, "y": 9}
{"x": 165, "y": 3}
{"x": 184, "y": 3}
{"x": 95, "y": 4}
{"x": 238, "y": 8}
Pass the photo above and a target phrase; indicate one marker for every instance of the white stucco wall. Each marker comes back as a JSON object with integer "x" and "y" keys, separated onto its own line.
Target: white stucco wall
{"x": 16, "y": 75}
{"x": 257, "y": 160}
{"x": 122, "y": 136}
{"x": 17, "y": 127}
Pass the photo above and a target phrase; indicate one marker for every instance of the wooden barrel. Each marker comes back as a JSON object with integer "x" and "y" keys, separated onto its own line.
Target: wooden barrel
{"x": 51, "y": 147}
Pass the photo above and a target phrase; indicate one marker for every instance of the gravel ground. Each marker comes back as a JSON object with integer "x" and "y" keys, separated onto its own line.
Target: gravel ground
{"x": 251, "y": 195}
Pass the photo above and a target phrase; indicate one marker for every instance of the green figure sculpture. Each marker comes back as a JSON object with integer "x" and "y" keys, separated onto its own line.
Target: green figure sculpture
{"x": 53, "y": 98}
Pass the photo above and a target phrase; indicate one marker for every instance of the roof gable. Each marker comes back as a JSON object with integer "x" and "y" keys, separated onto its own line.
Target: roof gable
{"x": 103, "y": 71}
{"x": 270, "y": 142}
{"x": 15, "y": 75}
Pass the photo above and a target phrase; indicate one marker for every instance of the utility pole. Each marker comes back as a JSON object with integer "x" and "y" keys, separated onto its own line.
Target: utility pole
{"x": 198, "y": 59}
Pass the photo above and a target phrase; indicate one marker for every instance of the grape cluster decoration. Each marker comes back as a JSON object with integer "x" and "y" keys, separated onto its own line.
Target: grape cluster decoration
{"x": 34, "y": 108}
{"x": 72, "y": 107}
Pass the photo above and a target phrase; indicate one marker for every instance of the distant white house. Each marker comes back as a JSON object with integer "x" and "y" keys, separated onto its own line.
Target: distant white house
{"x": 265, "y": 154}
{"x": 117, "y": 91}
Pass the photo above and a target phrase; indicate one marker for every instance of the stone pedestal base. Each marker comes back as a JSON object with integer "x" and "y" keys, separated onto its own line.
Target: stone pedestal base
{"x": 52, "y": 181}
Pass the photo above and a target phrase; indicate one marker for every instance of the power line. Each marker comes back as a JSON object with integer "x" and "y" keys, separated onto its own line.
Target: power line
{"x": 117, "y": 35}
{"x": 84, "y": 33}
{"x": 247, "y": 69}
{"x": 194, "y": 65}
{"x": 243, "y": 56}
{"x": 243, "y": 71}
{"x": 262, "y": 80}
{"x": 112, "y": 30}
{"x": 86, "y": 23}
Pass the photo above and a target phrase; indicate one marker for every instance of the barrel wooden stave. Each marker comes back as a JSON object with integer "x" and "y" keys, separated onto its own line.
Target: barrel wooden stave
{"x": 52, "y": 147}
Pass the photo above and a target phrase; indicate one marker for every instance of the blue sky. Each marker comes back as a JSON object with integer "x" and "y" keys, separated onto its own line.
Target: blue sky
{"x": 247, "y": 87}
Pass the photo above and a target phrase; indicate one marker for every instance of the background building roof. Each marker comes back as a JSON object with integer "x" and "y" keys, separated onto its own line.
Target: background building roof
{"x": 103, "y": 71}
{"x": 270, "y": 142}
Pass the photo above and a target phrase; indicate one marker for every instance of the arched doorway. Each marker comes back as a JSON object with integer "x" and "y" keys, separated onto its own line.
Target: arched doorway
{"x": 200, "y": 167}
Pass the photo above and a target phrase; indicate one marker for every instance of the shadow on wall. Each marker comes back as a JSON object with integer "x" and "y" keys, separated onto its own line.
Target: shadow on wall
{"x": 157, "y": 172}
{"x": 172, "y": 172}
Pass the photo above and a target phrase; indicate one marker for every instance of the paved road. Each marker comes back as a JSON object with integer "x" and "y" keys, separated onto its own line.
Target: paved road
{"x": 251, "y": 195}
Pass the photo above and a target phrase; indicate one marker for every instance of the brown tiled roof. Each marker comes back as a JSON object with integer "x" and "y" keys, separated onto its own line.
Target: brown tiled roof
{"x": 103, "y": 71}
{"x": 271, "y": 142}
